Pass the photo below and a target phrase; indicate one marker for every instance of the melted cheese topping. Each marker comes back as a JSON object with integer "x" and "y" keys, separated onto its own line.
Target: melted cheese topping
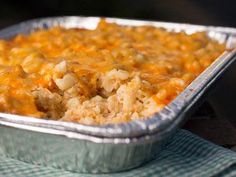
{"x": 108, "y": 75}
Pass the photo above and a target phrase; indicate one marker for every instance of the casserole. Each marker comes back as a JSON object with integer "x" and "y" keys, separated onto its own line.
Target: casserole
{"x": 112, "y": 147}
{"x": 112, "y": 74}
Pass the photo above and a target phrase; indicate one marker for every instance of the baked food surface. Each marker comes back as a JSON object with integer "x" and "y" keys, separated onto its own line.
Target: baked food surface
{"x": 111, "y": 74}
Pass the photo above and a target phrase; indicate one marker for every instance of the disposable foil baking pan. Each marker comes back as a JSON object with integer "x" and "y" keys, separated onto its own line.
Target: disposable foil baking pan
{"x": 107, "y": 148}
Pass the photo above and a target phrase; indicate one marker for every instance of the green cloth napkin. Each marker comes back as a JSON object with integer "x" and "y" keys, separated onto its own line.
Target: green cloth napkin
{"x": 185, "y": 155}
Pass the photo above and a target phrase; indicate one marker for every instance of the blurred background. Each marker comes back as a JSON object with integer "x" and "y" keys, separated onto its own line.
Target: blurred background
{"x": 208, "y": 12}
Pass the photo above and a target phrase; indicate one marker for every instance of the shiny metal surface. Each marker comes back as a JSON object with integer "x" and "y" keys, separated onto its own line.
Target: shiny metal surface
{"x": 107, "y": 148}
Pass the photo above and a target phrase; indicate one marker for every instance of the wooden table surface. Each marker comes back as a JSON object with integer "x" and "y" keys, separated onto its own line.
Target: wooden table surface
{"x": 206, "y": 124}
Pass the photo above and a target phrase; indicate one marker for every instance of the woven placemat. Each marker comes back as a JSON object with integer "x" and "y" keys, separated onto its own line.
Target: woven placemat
{"x": 185, "y": 155}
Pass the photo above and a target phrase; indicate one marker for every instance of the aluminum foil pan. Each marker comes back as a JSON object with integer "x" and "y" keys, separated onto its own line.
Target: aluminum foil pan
{"x": 107, "y": 148}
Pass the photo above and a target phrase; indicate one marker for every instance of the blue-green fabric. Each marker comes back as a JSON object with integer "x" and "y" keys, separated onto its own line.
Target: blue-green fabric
{"x": 185, "y": 155}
